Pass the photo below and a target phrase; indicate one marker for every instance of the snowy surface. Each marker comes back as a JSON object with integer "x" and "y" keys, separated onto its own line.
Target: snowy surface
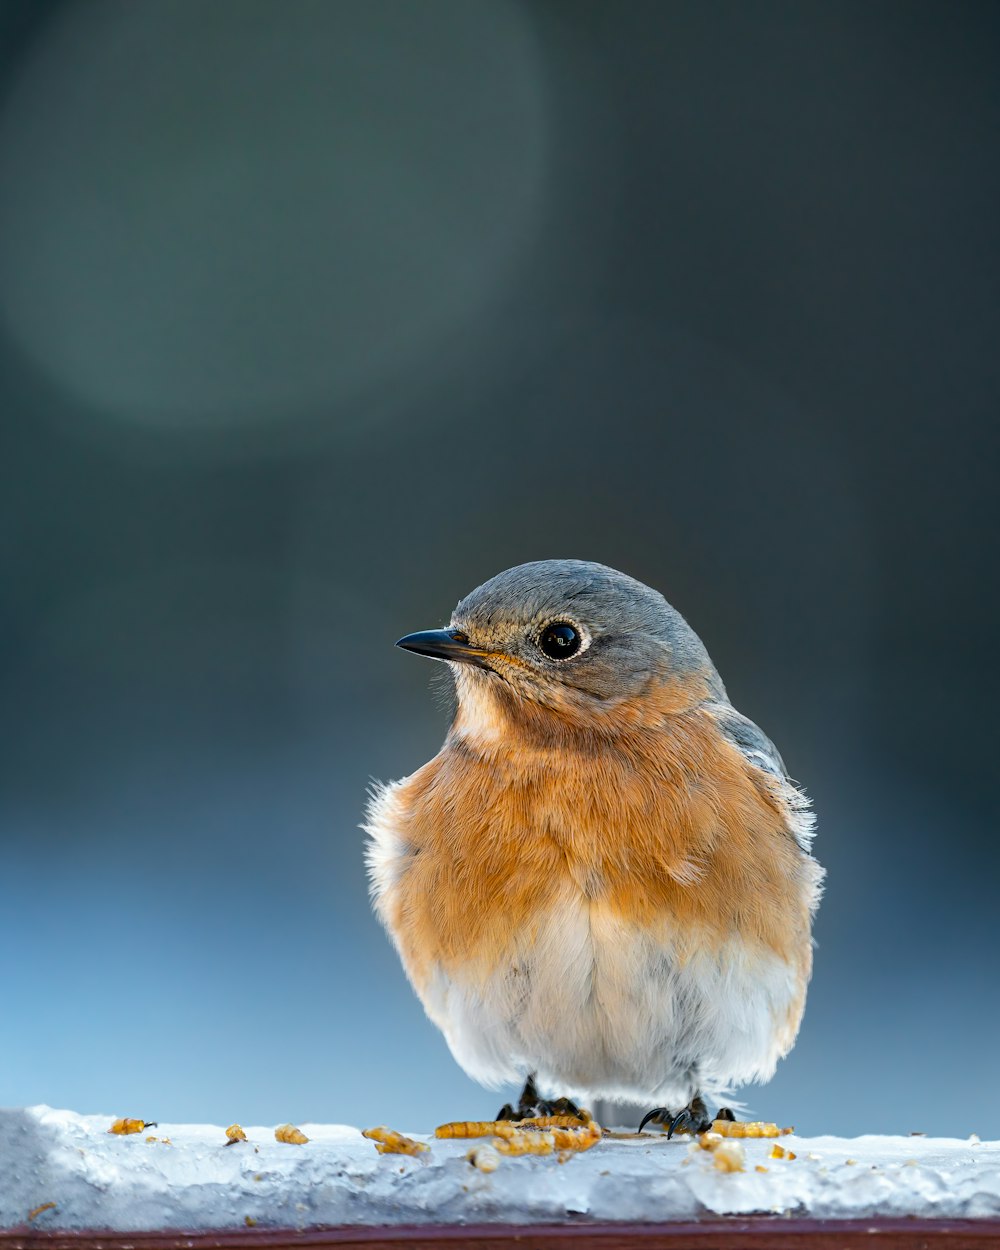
{"x": 100, "y": 1181}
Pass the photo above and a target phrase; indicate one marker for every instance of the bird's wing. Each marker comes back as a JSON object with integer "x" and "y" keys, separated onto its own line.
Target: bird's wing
{"x": 750, "y": 740}
{"x": 759, "y": 751}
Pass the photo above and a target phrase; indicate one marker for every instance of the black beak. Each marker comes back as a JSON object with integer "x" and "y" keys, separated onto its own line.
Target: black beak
{"x": 444, "y": 644}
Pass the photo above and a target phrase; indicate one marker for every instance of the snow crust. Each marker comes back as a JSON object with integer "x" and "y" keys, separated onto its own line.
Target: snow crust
{"x": 129, "y": 1184}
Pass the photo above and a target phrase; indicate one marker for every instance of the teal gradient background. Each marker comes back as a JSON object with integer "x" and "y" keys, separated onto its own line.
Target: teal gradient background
{"x": 313, "y": 317}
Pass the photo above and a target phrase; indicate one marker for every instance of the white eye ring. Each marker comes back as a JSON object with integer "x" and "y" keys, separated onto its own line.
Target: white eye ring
{"x": 561, "y": 639}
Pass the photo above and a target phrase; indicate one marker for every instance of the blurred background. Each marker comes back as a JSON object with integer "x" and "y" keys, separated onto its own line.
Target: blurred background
{"x": 315, "y": 315}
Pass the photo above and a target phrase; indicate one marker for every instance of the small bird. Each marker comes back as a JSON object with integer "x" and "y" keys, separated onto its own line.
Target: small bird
{"x": 602, "y": 882}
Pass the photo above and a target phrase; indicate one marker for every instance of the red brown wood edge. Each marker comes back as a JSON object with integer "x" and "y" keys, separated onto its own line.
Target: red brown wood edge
{"x": 734, "y": 1233}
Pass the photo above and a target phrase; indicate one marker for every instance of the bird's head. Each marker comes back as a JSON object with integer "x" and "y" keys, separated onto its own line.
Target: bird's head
{"x": 561, "y": 644}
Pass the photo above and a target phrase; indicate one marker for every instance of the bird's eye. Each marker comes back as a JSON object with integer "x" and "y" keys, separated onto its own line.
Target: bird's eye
{"x": 559, "y": 640}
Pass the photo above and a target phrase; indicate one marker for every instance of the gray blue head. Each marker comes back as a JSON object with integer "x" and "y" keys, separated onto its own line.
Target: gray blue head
{"x": 569, "y": 634}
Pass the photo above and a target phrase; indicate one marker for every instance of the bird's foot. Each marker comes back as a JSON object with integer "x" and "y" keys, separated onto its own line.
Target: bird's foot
{"x": 530, "y": 1105}
{"x": 693, "y": 1118}
{"x": 527, "y": 1104}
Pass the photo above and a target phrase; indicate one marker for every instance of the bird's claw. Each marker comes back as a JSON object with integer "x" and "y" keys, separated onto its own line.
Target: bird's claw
{"x": 658, "y": 1114}
{"x": 693, "y": 1118}
{"x": 530, "y": 1105}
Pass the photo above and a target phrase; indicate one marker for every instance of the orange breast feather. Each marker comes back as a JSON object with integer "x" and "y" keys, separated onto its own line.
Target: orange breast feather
{"x": 674, "y": 831}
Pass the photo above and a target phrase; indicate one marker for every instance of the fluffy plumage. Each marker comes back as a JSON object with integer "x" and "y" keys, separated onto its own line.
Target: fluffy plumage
{"x": 604, "y": 875}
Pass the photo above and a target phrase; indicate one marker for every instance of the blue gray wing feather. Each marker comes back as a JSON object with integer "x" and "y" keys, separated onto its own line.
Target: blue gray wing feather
{"x": 758, "y": 749}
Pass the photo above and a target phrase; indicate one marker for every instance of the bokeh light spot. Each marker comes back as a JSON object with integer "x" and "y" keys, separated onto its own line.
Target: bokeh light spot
{"x": 243, "y": 212}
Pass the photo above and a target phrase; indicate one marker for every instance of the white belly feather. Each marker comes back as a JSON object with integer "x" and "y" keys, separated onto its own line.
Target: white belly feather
{"x": 600, "y": 1010}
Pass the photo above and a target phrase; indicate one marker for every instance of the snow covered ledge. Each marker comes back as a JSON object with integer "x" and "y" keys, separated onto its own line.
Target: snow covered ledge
{"x": 64, "y": 1172}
